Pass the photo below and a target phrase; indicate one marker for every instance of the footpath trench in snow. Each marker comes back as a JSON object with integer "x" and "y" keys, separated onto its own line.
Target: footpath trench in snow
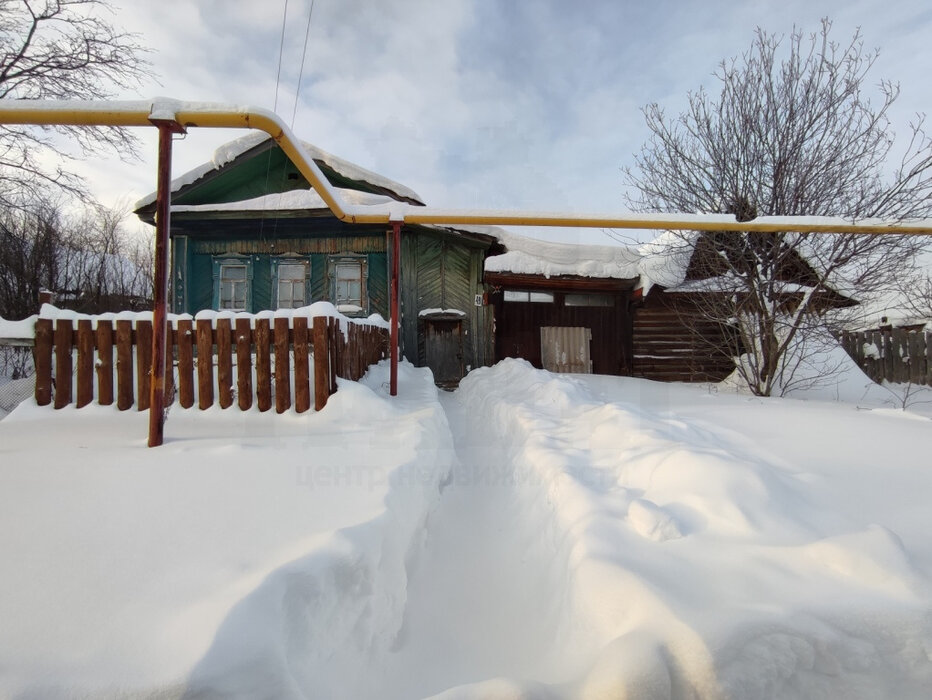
{"x": 482, "y": 600}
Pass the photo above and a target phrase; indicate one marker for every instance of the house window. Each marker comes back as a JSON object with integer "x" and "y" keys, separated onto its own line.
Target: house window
{"x": 589, "y": 300}
{"x": 348, "y": 277}
{"x": 292, "y": 282}
{"x": 233, "y": 287}
{"x": 533, "y": 297}
{"x": 232, "y": 283}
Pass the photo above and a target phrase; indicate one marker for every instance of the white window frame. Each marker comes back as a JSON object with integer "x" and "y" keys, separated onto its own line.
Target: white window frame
{"x": 299, "y": 283}
{"x": 361, "y": 263}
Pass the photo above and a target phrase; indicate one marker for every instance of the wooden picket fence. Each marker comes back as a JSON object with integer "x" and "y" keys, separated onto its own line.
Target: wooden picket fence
{"x": 252, "y": 357}
{"x": 897, "y": 355}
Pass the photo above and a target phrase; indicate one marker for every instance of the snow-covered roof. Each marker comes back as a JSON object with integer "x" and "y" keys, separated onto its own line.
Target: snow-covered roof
{"x": 293, "y": 199}
{"x": 665, "y": 259}
{"x": 531, "y": 256}
{"x": 231, "y": 150}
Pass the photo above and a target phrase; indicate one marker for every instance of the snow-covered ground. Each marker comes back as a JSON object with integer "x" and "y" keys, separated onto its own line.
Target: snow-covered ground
{"x": 530, "y": 535}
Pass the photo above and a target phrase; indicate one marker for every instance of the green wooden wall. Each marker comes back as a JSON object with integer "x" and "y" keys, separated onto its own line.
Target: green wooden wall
{"x": 439, "y": 269}
{"x": 443, "y": 272}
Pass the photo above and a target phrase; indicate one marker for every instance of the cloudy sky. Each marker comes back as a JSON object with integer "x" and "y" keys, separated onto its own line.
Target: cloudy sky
{"x": 479, "y": 103}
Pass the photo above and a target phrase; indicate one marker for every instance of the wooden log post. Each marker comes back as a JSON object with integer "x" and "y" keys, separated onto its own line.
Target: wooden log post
{"x": 85, "y": 383}
{"x": 205, "y": 364}
{"x": 928, "y": 342}
{"x": 263, "y": 365}
{"x": 338, "y": 359}
{"x": 104, "y": 363}
{"x": 331, "y": 353}
{"x": 185, "y": 341}
{"x": 43, "y": 361}
{"x": 302, "y": 389}
{"x": 143, "y": 364}
{"x": 321, "y": 363}
{"x": 917, "y": 358}
{"x": 244, "y": 363}
{"x": 282, "y": 366}
{"x": 64, "y": 337}
{"x": 224, "y": 339}
{"x": 124, "y": 340}
{"x": 877, "y": 338}
{"x": 168, "y": 380}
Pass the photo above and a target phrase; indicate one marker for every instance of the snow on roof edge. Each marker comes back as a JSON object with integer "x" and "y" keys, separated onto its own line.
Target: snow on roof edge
{"x": 229, "y": 151}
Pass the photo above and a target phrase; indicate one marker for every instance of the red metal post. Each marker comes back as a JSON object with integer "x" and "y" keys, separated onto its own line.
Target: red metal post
{"x": 159, "y": 315}
{"x": 393, "y": 342}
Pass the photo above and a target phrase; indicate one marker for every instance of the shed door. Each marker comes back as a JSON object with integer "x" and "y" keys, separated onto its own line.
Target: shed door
{"x": 565, "y": 349}
{"x": 443, "y": 346}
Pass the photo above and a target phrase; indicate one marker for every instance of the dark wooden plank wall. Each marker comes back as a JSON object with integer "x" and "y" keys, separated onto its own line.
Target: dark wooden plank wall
{"x": 518, "y": 327}
{"x": 442, "y": 272}
{"x": 896, "y": 355}
{"x": 667, "y": 348}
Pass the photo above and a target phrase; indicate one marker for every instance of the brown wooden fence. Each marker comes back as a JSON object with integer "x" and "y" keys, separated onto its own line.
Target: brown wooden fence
{"x": 244, "y": 361}
{"x": 897, "y": 355}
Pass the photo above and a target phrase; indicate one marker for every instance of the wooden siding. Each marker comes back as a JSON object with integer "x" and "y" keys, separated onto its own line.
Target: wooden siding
{"x": 440, "y": 272}
{"x": 668, "y": 349}
{"x": 895, "y": 355}
{"x": 518, "y": 331}
{"x": 302, "y": 246}
{"x": 439, "y": 269}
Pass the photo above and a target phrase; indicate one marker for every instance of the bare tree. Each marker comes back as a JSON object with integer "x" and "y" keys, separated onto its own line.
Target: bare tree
{"x": 790, "y": 133}
{"x": 60, "y": 49}
{"x": 88, "y": 260}
{"x": 30, "y": 241}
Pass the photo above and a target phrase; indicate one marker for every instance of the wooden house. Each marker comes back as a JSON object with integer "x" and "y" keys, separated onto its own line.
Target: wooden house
{"x": 248, "y": 233}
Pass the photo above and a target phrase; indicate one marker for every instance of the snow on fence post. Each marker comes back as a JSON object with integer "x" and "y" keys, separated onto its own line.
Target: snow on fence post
{"x": 43, "y": 361}
{"x": 321, "y": 363}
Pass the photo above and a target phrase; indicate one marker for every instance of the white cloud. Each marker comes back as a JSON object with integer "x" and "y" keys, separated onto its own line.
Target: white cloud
{"x": 478, "y": 103}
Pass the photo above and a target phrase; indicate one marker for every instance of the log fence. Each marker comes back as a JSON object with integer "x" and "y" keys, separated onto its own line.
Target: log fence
{"x": 898, "y": 356}
{"x": 250, "y": 361}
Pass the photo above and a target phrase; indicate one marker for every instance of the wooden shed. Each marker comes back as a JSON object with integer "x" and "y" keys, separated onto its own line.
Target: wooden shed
{"x": 564, "y": 307}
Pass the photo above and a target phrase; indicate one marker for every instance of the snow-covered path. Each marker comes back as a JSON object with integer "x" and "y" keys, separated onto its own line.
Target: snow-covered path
{"x": 480, "y": 604}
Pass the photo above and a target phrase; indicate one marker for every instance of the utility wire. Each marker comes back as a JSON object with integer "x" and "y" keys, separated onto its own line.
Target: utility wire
{"x": 281, "y": 51}
{"x": 307, "y": 34}
{"x": 278, "y": 78}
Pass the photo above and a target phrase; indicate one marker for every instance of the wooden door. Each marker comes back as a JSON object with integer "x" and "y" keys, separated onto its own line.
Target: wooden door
{"x": 443, "y": 346}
